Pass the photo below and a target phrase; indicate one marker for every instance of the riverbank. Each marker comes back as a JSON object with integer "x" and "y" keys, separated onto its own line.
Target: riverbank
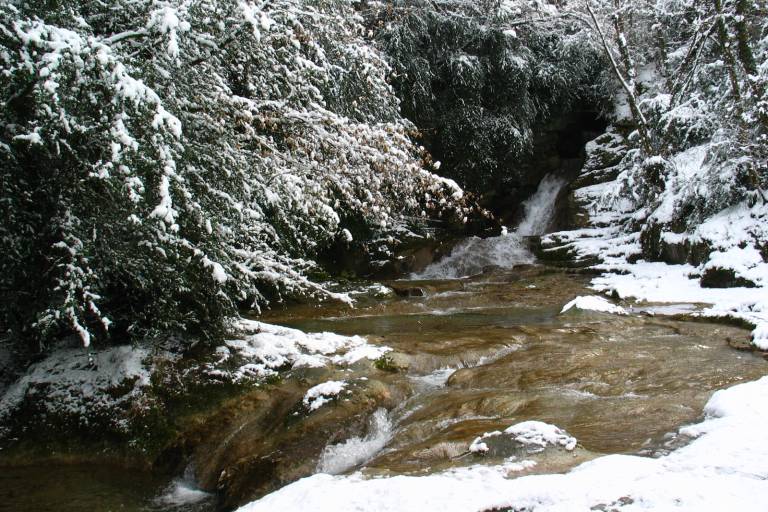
{"x": 463, "y": 358}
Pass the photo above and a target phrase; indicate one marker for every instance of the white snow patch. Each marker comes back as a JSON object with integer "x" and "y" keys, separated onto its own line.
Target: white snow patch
{"x": 534, "y": 434}
{"x": 478, "y": 446}
{"x": 321, "y": 394}
{"x": 538, "y": 433}
{"x": 660, "y": 282}
{"x": 594, "y": 303}
{"x": 76, "y": 381}
{"x": 268, "y": 347}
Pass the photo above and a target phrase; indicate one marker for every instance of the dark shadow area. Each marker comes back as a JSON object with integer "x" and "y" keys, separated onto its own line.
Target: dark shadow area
{"x": 558, "y": 148}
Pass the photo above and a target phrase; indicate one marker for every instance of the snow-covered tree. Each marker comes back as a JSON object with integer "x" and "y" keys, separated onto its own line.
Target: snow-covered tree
{"x": 481, "y": 79}
{"x": 167, "y": 162}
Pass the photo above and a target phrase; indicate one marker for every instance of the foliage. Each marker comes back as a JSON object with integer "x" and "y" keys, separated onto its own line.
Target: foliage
{"x": 164, "y": 163}
{"x": 701, "y": 82}
{"x": 480, "y": 80}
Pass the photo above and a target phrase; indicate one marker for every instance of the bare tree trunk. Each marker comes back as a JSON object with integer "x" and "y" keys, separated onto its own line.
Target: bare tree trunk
{"x": 621, "y": 42}
{"x": 730, "y": 61}
{"x": 747, "y": 57}
{"x": 743, "y": 47}
{"x": 687, "y": 69}
{"x": 637, "y": 114}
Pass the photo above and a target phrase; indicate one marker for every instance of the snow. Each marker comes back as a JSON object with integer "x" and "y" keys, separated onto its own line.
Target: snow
{"x": 733, "y": 234}
{"x": 265, "y": 348}
{"x": 321, "y": 394}
{"x": 534, "y": 434}
{"x": 456, "y": 190}
{"x": 724, "y": 468}
{"x": 660, "y": 282}
{"x": 594, "y": 303}
{"x": 746, "y": 262}
{"x": 541, "y": 434}
{"x": 77, "y": 382}
{"x": 478, "y": 446}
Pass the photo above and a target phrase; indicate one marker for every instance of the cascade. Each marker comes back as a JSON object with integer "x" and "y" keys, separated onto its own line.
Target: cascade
{"x": 474, "y": 254}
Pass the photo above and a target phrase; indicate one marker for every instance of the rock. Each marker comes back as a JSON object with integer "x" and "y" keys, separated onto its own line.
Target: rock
{"x": 660, "y": 243}
{"x": 404, "y": 290}
{"x": 718, "y": 277}
{"x": 560, "y": 254}
{"x": 267, "y": 439}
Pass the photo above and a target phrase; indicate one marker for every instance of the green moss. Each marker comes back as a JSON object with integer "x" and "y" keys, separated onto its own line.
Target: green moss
{"x": 386, "y": 364}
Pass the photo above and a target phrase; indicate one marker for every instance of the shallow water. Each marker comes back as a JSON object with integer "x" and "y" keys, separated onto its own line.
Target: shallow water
{"x": 474, "y": 355}
{"x": 482, "y": 354}
{"x": 97, "y": 488}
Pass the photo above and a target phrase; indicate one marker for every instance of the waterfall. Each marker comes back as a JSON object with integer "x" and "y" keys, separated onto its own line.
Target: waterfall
{"x": 474, "y": 254}
{"x": 340, "y": 457}
{"x": 539, "y": 209}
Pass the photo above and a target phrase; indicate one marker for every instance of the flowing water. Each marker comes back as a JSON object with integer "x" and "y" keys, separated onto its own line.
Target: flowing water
{"x": 481, "y": 354}
{"x": 474, "y": 355}
{"x": 474, "y": 255}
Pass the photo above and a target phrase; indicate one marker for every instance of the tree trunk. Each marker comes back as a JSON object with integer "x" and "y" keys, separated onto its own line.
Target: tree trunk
{"x": 637, "y": 114}
{"x": 730, "y": 60}
{"x": 743, "y": 47}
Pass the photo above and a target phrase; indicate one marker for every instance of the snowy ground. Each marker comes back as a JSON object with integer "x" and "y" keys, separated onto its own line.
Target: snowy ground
{"x": 724, "y": 468}
{"x": 734, "y": 235}
{"x": 77, "y": 383}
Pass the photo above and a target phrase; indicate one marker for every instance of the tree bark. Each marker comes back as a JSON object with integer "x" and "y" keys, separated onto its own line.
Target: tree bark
{"x": 642, "y": 122}
{"x": 743, "y": 47}
{"x": 725, "y": 45}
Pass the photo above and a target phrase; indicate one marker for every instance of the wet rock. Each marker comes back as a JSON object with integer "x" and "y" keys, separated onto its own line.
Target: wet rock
{"x": 746, "y": 345}
{"x": 392, "y": 362}
{"x": 523, "y": 440}
{"x": 404, "y": 290}
{"x": 558, "y": 253}
{"x": 265, "y": 440}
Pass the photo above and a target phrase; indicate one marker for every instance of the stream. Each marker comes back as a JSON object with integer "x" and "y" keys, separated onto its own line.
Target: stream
{"x": 479, "y": 343}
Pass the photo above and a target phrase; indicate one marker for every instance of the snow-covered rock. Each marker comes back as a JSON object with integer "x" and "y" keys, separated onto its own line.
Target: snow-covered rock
{"x": 319, "y": 395}
{"x": 265, "y": 348}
